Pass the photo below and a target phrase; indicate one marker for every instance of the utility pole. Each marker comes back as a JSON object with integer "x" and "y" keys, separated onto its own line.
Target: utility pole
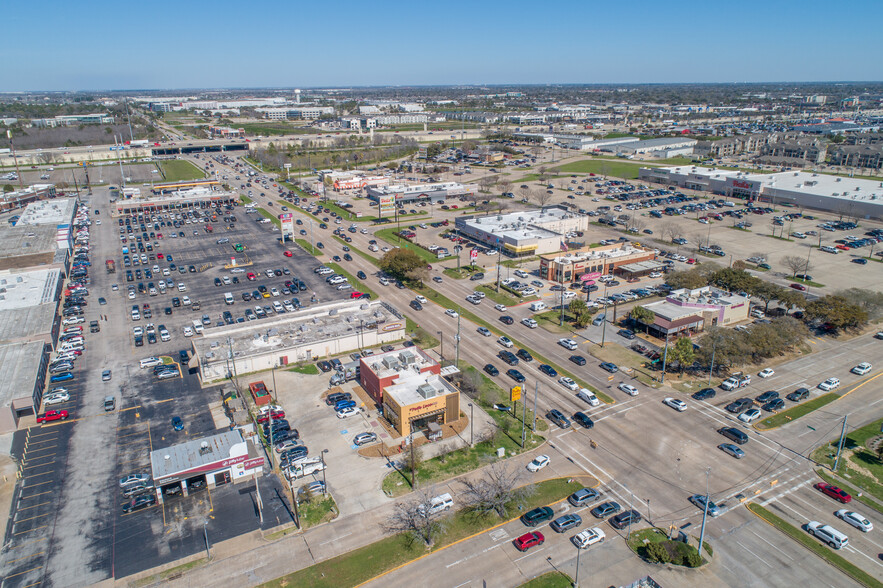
{"x": 129, "y": 120}
{"x": 208, "y": 553}
{"x": 442, "y": 336}
{"x": 14, "y": 158}
{"x": 713, "y": 350}
{"x": 499, "y": 253}
{"x": 536, "y": 387}
{"x": 576, "y": 576}
{"x": 840, "y": 445}
{"x": 523, "y": 425}
{"x": 458, "y": 340}
{"x": 471, "y": 422}
{"x": 411, "y": 443}
{"x": 704, "y": 513}
{"x": 664, "y": 358}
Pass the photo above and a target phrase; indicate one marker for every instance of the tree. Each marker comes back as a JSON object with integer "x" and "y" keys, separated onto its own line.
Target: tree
{"x": 525, "y": 192}
{"x": 496, "y": 491}
{"x": 542, "y": 197}
{"x": 766, "y": 291}
{"x": 505, "y": 186}
{"x": 643, "y": 316}
{"x": 682, "y": 352}
{"x": 790, "y": 298}
{"x": 869, "y": 300}
{"x": 836, "y": 311}
{"x": 637, "y": 223}
{"x": 412, "y": 458}
{"x": 414, "y": 518}
{"x": 672, "y": 231}
{"x": 689, "y": 279}
{"x": 486, "y": 182}
{"x": 399, "y": 262}
{"x": 576, "y": 306}
{"x": 657, "y": 553}
{"x": 795, "y": 263}
{"x": 542, "y": 175}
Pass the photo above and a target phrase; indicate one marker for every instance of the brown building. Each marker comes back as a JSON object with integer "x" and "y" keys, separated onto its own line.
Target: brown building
{"x": 569, "y": 266}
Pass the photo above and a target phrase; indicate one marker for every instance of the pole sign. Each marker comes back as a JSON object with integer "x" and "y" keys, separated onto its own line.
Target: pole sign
{"x": 473, "y": 254}
{"x": 514, "y": 393}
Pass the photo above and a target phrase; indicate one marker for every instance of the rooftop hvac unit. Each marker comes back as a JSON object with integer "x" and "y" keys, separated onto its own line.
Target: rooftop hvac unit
{"x": 426, "y": 391}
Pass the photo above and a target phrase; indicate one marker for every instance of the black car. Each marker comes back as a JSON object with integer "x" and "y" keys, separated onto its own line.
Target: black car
{"x": 739, "y": 405}
{"x": 583, "y": 419}
{"x": 705, "y": 394}
{"x": 139, "y": 502}
{"x": 775, "y": 404}
{"x": 361, "y": 275}
{"x": 628, "y": 334}
{"x": 292, "y": 454}
{"x": 525, "y": 355}
{"x": 578, "y": 359}
{"x": 548, "y": 370}
{"x": 516, "y": 375}
{"x": 767, "y": 396}
{"x": 606, "y": 509}
{"x": 415, "y": 305}
{"x": 324, "y": 366}
{"x": 624, "y": 519}
{"x": 336, "y": 397}
{"x": 491, "y": 370}
{"x": 506, "y": 319}
{"x": 798, "y": 395}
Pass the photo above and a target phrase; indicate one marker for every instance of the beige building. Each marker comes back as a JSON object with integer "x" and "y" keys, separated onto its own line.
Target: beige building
{"x": 689, "y": 311}
{"x": 565, "y": 267}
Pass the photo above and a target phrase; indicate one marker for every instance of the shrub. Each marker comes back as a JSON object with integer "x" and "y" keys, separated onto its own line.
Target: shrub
{"x": 693, "y": 559}
{"x": 656, "y": 552}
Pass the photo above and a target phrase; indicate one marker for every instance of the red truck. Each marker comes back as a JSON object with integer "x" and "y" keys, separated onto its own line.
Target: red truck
{"x": 110, "y": 265}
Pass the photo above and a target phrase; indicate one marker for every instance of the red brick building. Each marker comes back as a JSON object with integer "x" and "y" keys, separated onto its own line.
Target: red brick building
{"x": 377, "y": 372}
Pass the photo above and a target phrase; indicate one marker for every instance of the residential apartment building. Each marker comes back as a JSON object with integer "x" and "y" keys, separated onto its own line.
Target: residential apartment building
{"x": 866, "y": 156}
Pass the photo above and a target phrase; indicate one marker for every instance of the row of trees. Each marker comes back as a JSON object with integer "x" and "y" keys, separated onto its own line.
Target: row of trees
{"x": 732, "y": 348}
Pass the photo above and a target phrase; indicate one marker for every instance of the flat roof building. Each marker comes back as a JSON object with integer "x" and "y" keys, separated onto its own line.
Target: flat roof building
{"x": 22, "y": 378}
{"x": 58, "y": 211}
{"x": 523, "y": 233}
{"x": 305, "y": 335}
{"x": 688, "y": 311}
{"x": 605, "y": 259}
{"x": 403, "y": 193}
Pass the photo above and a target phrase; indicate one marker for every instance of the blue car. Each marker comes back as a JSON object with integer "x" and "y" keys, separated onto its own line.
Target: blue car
{"x": 62, "y": 377}
{"x": 345, "y": 404}
{"x": 177, "y": 424}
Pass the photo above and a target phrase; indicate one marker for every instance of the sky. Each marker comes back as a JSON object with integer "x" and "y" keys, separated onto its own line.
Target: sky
{"x": 101, "y": 45}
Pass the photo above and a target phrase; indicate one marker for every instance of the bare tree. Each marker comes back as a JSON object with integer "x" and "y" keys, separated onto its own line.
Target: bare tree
{"x": 525, "y": 191}
{"x": 505, "y": 186}
{"x": 795, "y": 263}
{"x": 412, "y": 458}
{"x": 415, "y": 518}
{"x": 637, "y": 223}
{"x": 542, "y": 197}
{"x": 495, "y": 491}
{"x": 486, "y": 183}
{"x": 672, "y": 231}
{"x": 542, "y": 175}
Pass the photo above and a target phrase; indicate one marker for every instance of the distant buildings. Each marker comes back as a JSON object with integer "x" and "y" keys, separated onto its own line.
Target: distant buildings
{"x": 296, "y": 112}
{"x": 226, "y": 132}
{"x": 863, "y": 155}
{"x": 66, "y": 120}
{"x": 20, "y": 198}
{"x": 389, "y": 196}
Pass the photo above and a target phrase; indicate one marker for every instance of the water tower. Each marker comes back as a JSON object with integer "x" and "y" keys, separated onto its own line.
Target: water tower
{"x": 297, "y": 96}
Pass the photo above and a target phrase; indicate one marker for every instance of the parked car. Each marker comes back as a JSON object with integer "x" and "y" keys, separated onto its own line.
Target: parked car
{"x": 537, "y": 516}
{"x": 538, "y": 463}
{"x": 624, "y": 519}
{"x": 528, "y": 540}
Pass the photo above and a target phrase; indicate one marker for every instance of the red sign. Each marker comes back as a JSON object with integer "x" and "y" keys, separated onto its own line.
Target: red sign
{"x": 741, "y": 184}
{"x": 255, "y": 462}
{"x": 590, "y": 276}
{"x": 473, "y": 253}
{"x": 286, "y": 216}
{"x": 215, "y": 465}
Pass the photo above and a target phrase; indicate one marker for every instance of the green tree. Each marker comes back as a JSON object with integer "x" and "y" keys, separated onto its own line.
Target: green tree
{"x": 766, "y": 291}
{"x": 643, "y": 316}
{"x": 577, "y": 306}
{"x": 682, "y": 352}
{"x": 689, "y": 279}
{"x": 837, "y": 311}
{"x": 656, "y": 552}
{"x": 401, "y": 262}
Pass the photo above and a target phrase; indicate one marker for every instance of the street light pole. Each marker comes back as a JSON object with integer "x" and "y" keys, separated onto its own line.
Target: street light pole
{"x": 208, "y": 552}
{"x": 576, "y": 576}
{"x": 324, "y": 478}
{"x": 704, "y": 513}
{"x": 442, "y": 335}
{"x": 471, "y": 430}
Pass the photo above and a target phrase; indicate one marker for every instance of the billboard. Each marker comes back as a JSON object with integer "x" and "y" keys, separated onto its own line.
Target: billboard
{"x": 287, "y": 225}
{"x": 386, "y": 204}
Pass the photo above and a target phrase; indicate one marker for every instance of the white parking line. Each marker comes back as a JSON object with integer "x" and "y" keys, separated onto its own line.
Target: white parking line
{"x": 535, "y": 551}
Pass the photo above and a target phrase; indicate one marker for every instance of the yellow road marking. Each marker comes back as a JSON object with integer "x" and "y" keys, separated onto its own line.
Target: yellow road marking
{"x": 31, "y": 530}
{"x": 26, "y": 557}
{"x": 33, "y": 505}
{"x": 24, "y": 572}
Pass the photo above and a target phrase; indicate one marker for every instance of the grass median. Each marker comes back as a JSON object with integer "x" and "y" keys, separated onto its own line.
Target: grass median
{"x": 786, "y": 416}
{"x": 811, "y": 543}
{"x": 856, "y": 494}
{"x": 369, "y": 562}
{"x": 550, "y": 580}
{"x": 389, "y": 235}
{"x": 309, "y": 369}
{"x": 269, "y": 215}
{"x": 806, "y": 282}
{"x": 308, "y": 248}
{"x": 245, "y": 199}
{"x": 859, "y": 464}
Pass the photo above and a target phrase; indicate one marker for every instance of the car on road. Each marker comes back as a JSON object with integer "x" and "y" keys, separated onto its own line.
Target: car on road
{"x": 505, "y": 342}
{"x": 528, "y": 540}
{"x": 52, "y": 415}
{"x": 624, "y": 519}
{"x": 566, "y": 522}
{"x": 364, "y": 438}
{"x": 765, "y": 373}
{"x": 609, "y": 367}
{"x": 484, "y": 331}
{"x": 606, "y": 509}
{"x": 568, "y": 383}
{"x": 587, "y": 538}
{"x": 752, "y": 414}
{"x": 628, "y": 389}
{"x": 675, "y": 403}
{"x": 861, "y": 369}
{"x": 856, "y": 520}
{"x": 829, "y": 384}
{"x": 548, "y": 370}
{"x": 798, "y": 395}
{"x": 578, "y": 359}
{"x": 557, "y": 417}
{"x": 583, "y": 419}
{"x": 491, "y": 370}
{"x": 699, "y": 500}
{"x": 516, "y": 375}
{"x": 827, "y": 533}
{"x": 525, "y": 355}
{"x": 506, "y": 319}
{"x": 731, "y": 449}
{"x": 568, "y": 344}
{"x": 537, "y": 516}
{"x": 833, "y": 491}
{"x": 347, "y": 412}
{"x": 500, "y": 307}
{"x": 705, "y": 394}
{"x": 538, "y": 463}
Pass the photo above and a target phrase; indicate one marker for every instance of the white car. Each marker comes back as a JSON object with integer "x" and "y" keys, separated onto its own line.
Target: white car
{"x": 568, "y": 383}
{"x": 654, "y": 275}
{"x": 185, "y": 300}
{"x": 73, "y": 320}
{"x": 538, "y": 463}
{"x": 452, "y": 313}
{"x": 829, "y": 384}
{"x": 861, "y": 369}
{"x": 529, "y": 323}
{"x": 568, "y": 344}
{"x": 856, "y": 520}
{"x": 765, "y": 373}
{"x": 49, "y": 400}
{"x": 678, "y": 405}
{"x": 500, "y": 307}
{"x": 421, "y": 299}
{"x": 505, "y": 342}
{"x": 587, "y": 538}
{"x": 188, "y": 332}
{"x": 752, "y": 414}
{"x": 347, "y": 412}
{"x": 628, "y": 389}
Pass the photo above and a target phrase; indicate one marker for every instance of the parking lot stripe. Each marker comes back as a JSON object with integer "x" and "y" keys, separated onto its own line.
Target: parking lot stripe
{"x": 26, "y": 557}
{"x": 20, "y": 508}
{"x": 28, "y": 543}
{"x": 45, "y": 514}
{"x": 40, "y": 474}
{"x": 38, "y": 465}
{"x": 37, "y": 583}
{"x": 33, "y": 496}
{"x": 27, "y": 486}
{"x": 31, "y": 530}
{"x": 20, "y": 573}
{"x": 210, "y": 503}
{"x": 130, "y": 434}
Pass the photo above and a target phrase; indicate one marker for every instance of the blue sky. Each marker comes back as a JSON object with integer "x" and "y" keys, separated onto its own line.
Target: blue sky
{"x": 193, "y": 44}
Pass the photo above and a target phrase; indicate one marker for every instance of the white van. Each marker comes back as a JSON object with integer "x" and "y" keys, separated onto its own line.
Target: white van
{"x": 149, "y": 362}
{"x": 586, "y": 395}
{"x": 228, "y": 298}
{"x": 197, "y": 326}
{"x": 439, "y": 503}
{"x": 538, "y": 306}
{"x": 827, "y": 534}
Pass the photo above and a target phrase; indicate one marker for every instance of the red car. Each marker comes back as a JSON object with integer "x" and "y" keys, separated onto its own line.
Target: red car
{"x": 251, "y": 276}
{"x": 286, "y": 253}
{"x": 800, "y": 287}
{"x": 159, "y": 255}
{"x": 52, "y": 415}
{"x": 355, "y": 294}
{"x": 264, "y": 417}
{"x": 529, "y": 540}
{"x": 834, "y": 492}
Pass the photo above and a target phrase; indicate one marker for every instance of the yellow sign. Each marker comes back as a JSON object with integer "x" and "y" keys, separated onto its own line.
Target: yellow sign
{"x": 514, "y": 393}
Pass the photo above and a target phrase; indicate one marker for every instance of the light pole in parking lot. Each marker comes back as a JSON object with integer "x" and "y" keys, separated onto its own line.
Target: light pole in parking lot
{"x": 576, "y": 576}
{"x": 324, "y": 478}
{"x": 471, "y": 431}
{"x": 208, "y": 553}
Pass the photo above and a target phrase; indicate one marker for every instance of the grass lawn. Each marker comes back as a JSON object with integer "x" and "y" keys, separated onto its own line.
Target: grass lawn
{"x": 307, "y": 368}
{"x": 550, "y": 580}
{"x": 735, "y": 228}
{"x": 245, "y": 199}
{"x": 551, "y": 319}
{"x": 421, "y": 337}
{"x": 276, "y": 129}
{"x": 356, "y": 283}
{"x": 390, "y": 237}
{"x": 501, "y": 297}
{"x": 343, "y": 212}
{"x": 616, "y": 353}
{"x": 815, "y": 546}
{"x": 178, "y": 170}
{"x": 858, "y": 464}
{"x": 605, "y": 167}
{"x": 267, "y": 214}
{"x": 308, "y": 248}
{"x": 778, "y": 238}
{"x": 361, "y": 565}
{"x": 786, "y": 416}
{"x": 806, "y": 282}
{"x": 317, "y": 510}
{"x": 856, "y": 495}
{"x": 678, "y": 551}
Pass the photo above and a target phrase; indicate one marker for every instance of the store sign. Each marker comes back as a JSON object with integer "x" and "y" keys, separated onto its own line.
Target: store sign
{"x": 391, "y": 327}
{"x": 473, "y": 253}
{"x": 741, "y": 184}
{"x": 514, "y": 393}
{"x": 422, "y": 407}
{"x": 256, "y": 462}
{"x": 590, "y": 276}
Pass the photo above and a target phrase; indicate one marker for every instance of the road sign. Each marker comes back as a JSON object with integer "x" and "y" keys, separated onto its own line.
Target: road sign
{"x": 514, "y": 393}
